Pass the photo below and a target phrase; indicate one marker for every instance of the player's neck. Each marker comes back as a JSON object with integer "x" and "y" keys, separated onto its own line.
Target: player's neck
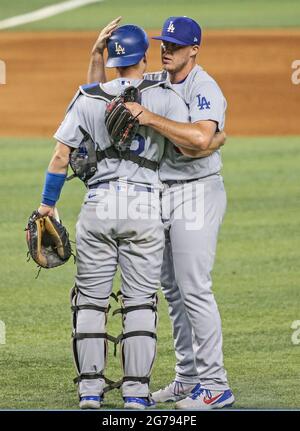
{"x": 134, "y": 74}
{"x": 180, "y": 76}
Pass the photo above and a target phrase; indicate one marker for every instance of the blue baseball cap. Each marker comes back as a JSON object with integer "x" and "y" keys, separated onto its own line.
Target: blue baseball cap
{"x": 180, "y": 30}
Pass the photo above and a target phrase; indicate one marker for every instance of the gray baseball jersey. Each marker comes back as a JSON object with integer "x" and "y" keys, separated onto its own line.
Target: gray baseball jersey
{"x": 88, "y": 113}
{"x": 205, "y": 101}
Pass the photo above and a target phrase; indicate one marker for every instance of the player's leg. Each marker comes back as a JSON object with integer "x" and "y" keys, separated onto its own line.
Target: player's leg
{"x": 194, "y": 250}
{"x": 140, "y": 258}
{"x": 186, "y": 373}
{"x": 96, "y": 266}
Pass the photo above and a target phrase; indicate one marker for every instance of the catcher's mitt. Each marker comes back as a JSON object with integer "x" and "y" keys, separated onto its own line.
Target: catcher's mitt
{"x": 47, "y": 240}
{"x": 121, "y": 125}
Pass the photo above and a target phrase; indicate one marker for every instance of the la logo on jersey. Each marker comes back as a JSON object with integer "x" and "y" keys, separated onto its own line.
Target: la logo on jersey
{"x": 203, "y": 103}
{"x": 171, "y": 27}
{"x": 119, "y": 49}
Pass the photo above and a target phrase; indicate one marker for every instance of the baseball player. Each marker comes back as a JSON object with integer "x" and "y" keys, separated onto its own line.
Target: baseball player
{"x": 201, "y": 380}
{"x": 119, "y": 223}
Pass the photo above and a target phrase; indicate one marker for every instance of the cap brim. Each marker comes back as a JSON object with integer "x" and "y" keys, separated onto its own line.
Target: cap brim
{"x": 171, "y": 39}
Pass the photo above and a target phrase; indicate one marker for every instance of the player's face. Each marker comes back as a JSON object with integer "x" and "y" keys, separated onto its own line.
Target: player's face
{"x": 175, "y": 57}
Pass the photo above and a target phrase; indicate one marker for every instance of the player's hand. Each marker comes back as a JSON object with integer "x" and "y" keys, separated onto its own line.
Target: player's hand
{"x": 44, "y": 210}
{"x": 143, "y": 114}
{"x": 100, "y": 43}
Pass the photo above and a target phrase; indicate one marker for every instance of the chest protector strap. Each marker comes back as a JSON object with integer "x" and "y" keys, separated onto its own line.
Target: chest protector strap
{"x": 96, "y": 91}
{"x": 113, "y": 153}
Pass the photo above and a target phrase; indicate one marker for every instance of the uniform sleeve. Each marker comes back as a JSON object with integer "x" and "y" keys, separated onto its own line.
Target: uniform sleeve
{"x": 68, "y": 132}
{"x": 177, "y": 109}
{"x": 208, "y": 103}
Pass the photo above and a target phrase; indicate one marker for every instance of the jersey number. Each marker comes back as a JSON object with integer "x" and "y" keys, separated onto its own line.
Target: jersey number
{"x": 138, "y": 144}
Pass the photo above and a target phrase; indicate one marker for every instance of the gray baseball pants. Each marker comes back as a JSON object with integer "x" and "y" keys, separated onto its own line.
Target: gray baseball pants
{"x": 114, "y": 228}
{"x": 193, "y": 213}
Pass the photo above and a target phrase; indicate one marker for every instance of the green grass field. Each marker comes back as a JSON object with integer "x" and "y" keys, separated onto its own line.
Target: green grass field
{"x": 256, "y": 282}
{"x": 210, "y": 13}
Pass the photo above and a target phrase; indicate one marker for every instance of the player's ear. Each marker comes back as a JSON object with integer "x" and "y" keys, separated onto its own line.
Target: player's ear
{"x": 194, "y": 50}
{"x": 144, "y": 63}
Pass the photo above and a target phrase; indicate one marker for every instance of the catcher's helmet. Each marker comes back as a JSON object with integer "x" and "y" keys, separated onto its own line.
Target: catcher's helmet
{"x": 126, "y": 46}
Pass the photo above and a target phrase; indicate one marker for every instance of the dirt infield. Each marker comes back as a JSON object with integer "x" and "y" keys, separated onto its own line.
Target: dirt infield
{"x": 252, "y": 67}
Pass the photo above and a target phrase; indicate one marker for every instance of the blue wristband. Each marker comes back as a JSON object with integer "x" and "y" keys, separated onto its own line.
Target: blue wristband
{"x": 52, "y": 188}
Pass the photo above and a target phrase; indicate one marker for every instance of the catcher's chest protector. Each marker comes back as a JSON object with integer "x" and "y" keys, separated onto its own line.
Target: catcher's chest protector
{"x": 130, "y": 94}
{"x": 96, "y": 91}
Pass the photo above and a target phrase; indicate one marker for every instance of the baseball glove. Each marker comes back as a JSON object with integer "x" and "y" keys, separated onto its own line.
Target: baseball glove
{"x": 121, "y": 125}
{"x": 47, "y": 240}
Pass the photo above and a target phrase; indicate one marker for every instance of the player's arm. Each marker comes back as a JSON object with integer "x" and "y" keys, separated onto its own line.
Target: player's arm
{"x": 96, "y": 69}
{"x": 60, "y": 159}
{"x": 195, "y": 136}
{"x": 218, "y": 140}
{"x": 55, "y": 178}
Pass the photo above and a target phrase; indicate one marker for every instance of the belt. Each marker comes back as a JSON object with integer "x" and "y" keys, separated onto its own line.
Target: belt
{"x": 106, "y": 185}
{"x": 170, "y": 183}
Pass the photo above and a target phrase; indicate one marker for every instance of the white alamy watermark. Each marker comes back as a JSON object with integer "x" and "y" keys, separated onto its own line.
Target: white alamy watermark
{"x": 125, "y": 201}
{"x": 2, "y": 72}
{"x": 2, "y": 333}
{"x": 296, "y": 334}
{"x": 185, "y": 202}
{"x": 296, "y": 74}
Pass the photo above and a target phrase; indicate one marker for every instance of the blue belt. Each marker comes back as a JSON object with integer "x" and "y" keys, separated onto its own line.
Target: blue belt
{"x": 106, "y": 185}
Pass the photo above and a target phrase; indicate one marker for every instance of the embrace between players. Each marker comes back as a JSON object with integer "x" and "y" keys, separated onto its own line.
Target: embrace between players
{"x": 172, "y": 167}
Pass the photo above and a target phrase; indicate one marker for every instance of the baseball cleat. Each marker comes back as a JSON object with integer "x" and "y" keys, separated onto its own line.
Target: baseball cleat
{"x": 175, "y": 391}
{"x": 206, "y": 399}
{"x": 90, "y": 402}
{"x": 139, "y": 403}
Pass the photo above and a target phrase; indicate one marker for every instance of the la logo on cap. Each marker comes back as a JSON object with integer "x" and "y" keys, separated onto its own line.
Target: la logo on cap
{"x": 119, "y": 49}
{"x": 171, "y": 27}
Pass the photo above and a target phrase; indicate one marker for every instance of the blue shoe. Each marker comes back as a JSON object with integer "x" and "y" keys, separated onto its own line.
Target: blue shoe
{"x": 206, "y": 399}
{"x": 140, "y": 403}
{"x": 90, "y": 402}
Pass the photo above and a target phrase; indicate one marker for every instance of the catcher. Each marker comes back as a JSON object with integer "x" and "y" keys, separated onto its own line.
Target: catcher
{"x": 119, "y": 222}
